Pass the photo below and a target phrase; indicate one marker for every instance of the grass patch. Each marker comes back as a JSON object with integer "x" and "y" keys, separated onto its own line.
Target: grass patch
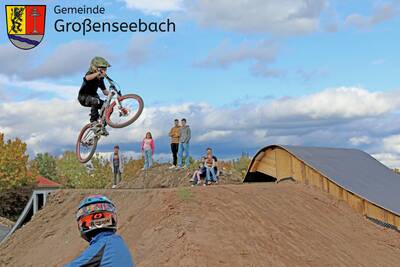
{"x": 185, "y": 194}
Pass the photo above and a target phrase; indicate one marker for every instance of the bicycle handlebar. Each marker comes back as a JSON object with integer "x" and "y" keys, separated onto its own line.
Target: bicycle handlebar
{"x": 112, "y": 84}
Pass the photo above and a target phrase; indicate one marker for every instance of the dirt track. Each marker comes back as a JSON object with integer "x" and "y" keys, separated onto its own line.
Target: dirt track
{"x": 232, "y": 225}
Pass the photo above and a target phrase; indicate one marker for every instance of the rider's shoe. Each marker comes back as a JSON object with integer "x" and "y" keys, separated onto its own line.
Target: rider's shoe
{"x": 95, "y": 124}
{"x": 99, "y": 128}
{"x": 104, "y": 132}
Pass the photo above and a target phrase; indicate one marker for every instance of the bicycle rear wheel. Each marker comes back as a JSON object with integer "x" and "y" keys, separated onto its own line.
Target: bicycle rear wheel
{"x": 129, "y": 110}
{"x": 86, "y": 143}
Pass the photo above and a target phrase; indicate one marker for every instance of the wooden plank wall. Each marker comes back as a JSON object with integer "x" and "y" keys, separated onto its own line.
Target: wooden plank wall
{"x": 280, "y": 164}
{"x": 265, "y": 163}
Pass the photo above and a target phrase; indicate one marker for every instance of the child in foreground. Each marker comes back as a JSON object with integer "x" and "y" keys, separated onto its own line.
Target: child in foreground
{"x": 97, "y": 223}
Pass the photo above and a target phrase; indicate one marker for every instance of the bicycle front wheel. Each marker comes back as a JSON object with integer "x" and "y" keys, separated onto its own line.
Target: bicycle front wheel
{"x": 129, "y": 109}
{"x": 86, "y": 144}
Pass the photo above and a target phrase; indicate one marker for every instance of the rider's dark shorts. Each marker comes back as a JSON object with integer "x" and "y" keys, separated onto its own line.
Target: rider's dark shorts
{"x": 89, "y": 100}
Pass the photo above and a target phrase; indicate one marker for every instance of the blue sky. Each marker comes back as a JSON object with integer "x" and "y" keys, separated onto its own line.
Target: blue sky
{"x": 325, "y": 71}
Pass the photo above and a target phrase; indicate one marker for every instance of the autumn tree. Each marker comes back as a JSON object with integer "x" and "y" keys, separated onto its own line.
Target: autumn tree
{"x": 100, "y": 173}
{"x": 73, "y": 174}
{"x": 69, "y": 170}
{"x": 13, "y": 164}
{"x": 132, "y": 166}
{"x": 242, "y": 164}
{"x": 46, "y": 166}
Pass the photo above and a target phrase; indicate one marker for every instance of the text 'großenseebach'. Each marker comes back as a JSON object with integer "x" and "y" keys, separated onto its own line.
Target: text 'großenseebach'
{"x": 69, "y": 22}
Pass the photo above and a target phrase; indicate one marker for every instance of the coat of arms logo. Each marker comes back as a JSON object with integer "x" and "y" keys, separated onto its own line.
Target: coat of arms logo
{"x": 25, "y": 25}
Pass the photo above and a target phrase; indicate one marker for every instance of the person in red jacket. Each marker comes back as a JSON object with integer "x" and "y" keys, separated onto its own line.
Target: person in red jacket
{"x": 148, "y": 150}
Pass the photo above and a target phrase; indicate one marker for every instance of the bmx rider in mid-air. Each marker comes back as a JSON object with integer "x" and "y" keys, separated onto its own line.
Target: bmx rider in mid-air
{"x": 88, "y": 97}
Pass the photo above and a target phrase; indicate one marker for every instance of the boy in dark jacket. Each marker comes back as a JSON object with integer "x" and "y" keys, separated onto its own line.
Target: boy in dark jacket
{"x": 185, "y": 135}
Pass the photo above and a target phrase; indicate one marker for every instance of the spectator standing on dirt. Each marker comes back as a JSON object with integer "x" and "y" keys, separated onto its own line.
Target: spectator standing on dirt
{"x": 116, "y": 166}
{"x": 97, "y": 224}
{"x": 148, "y": 150}
{"x": 174, "y": 133}
{"x": 184, "y": 139}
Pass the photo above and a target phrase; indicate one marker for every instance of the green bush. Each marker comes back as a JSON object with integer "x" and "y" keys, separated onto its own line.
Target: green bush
{"x": 13, "y": 201}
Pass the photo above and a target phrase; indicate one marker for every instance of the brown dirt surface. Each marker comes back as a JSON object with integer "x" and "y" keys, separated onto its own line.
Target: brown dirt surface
{"x": 160, "y": 176}
{"x": 6, "y": 222}
{"x": 285, "y": 224}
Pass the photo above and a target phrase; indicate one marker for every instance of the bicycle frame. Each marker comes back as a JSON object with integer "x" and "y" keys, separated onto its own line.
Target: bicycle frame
{"x": 110, "y": 97}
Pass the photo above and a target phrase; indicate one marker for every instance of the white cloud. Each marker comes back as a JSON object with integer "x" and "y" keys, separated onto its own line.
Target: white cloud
{"x": 225, "y": 55}
{"x": 69, "y": 58}
{"x": 360, "y": 140}
{"x": 392, "y": 143}
{"x": 389, "y": 159}
{"x": 343, "y": 102}
{"x": 213, "y": 135}
{"x": 44, "y": 125}
{"x": 154, "y": 7}
{"x": 261, "y": 133}
{"x": 259, "y": 16}
{"x": 58, "y": 90}
{"x": 382, "y": 13}
{"x": 333, "y": 117}
{"x": 18, "y": 61}
{"x": 259, "y": 54}
{"x": 139, "y": 51}
{"x": 357, "y": 20}
{"x": 308, "y": 75}
{"x": 262, "y": 70}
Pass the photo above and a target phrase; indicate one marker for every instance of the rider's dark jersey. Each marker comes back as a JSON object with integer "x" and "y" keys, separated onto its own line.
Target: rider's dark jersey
{"x": 90, "y": 87}
{"x": 106, "y": 249}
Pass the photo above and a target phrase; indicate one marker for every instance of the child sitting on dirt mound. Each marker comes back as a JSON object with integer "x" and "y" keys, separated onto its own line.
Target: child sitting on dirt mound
{"x": 196, "y": 175}
{"x": 97, "y": 223}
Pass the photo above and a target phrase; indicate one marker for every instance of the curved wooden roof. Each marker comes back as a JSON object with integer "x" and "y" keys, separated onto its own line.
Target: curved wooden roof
{"x": 351, "y": 169}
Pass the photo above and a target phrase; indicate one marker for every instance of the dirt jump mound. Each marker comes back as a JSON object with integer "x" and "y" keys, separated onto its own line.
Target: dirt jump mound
{"x": 160, "y": 176}
{"x": 284, "y": 224}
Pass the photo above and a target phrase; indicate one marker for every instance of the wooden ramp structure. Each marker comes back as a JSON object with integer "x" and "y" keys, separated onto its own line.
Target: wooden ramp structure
{"x": 368, "y": 186}
{"x": 37, "y": 201}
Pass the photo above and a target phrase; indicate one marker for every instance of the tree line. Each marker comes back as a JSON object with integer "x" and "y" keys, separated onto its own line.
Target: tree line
{"x": 17, "y": 171}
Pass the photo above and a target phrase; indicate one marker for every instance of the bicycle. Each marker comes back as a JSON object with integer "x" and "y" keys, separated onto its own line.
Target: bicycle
{"x": 118, "y": 111}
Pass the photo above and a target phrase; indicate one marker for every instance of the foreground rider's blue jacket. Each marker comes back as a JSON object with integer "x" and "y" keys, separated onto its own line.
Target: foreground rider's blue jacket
{"x": 106, "y": 249}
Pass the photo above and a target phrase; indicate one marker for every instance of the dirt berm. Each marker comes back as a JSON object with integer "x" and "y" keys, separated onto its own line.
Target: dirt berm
{"x": 160, "y": 176}
{"x": 283, "y": 224}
